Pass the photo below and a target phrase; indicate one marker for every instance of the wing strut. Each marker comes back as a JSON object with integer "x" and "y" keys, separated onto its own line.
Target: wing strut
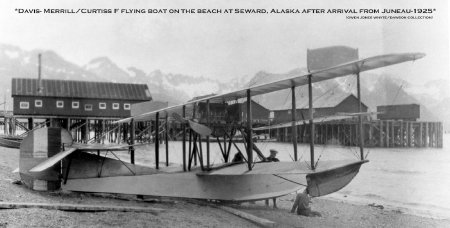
{"x": 294, "y": 127}
{"x": 311, "y": 122}
{"x": 361, "y": 132}
{"x": 249, "y": 129}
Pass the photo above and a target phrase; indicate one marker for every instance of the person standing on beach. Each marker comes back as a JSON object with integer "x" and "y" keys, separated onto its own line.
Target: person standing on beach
{"x": 272, "y": 158}
{"x": 302, "y": 204}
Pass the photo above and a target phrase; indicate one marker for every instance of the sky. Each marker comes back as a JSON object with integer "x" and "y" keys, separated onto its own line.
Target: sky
{"x": 223, "y": 46}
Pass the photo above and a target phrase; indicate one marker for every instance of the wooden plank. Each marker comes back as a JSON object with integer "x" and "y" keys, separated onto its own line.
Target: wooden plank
{"x": 427, "y": 139}
{"x": 79, "y": 207}
{"x": 260, "y": 221}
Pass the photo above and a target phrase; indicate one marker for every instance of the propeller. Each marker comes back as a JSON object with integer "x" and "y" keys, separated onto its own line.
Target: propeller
{"x": 198, "y": 128}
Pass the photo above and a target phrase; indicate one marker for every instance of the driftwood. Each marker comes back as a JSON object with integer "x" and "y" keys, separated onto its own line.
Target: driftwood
{"x": 257, "y": 220}
{"x": 260, "y": 221}
{"x": 79, "y": 207}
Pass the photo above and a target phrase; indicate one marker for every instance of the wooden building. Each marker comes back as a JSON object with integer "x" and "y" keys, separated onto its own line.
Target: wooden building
{"x": 407, "y": 112}
{"x": 147, "y": 106}
{"x": 325, "y": 105}
{"x": 63, "y": 98}
{"x": 81, "y": 106}
{"x": 238, "y": 112}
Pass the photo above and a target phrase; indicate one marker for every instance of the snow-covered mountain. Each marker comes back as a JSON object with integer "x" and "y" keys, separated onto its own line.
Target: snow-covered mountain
{"x": 177, "y": 88}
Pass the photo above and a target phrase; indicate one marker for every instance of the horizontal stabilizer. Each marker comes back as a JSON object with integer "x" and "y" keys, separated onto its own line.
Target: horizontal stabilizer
{"x": 100, "y": 147}
{"x": 53, "y": 160}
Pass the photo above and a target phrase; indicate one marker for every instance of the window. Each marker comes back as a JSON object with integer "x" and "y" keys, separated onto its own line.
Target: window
{"x": 102, "y": 105}
{"x": 126, "y": 106}
{"x": 24, "y": 105}
{"x": 88, "y": 107}
{"x": 38, "y": 103}
{"x": 60, "y": 104}
{"x": 115, "y": 106}
{"x": 75, "y": 104}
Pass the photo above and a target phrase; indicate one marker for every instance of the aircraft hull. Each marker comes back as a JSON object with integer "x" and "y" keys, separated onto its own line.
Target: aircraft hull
{"x": 227, "y": 184}
{"x": 191, "y": 185}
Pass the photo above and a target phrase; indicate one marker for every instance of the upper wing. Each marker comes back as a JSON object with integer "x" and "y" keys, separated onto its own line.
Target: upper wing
{"x": 316, "y": 76}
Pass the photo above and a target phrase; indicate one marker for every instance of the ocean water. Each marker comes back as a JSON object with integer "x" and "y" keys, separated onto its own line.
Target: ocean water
{"x": 410, "y": 180}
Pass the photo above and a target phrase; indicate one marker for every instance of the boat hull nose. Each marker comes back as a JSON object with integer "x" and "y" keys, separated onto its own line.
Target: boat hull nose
{"x": 332, "y": 180}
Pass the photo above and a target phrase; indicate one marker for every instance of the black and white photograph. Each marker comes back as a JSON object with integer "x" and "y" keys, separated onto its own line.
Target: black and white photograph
{"x": 224, "y": 113}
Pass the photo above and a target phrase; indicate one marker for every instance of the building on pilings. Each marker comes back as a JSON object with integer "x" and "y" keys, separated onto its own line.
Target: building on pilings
{"x": 80, "y": 106}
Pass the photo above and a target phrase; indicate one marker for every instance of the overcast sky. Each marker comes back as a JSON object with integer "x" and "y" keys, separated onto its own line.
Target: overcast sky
{"x": 223, "y": 46}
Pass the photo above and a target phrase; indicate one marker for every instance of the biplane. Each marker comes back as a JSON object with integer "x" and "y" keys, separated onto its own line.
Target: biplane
{"x": 50, "y": 159}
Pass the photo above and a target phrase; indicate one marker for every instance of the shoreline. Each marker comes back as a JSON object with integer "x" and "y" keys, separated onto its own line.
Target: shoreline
{"x": 335, "y": 213}
{"x": 435, "y": 213}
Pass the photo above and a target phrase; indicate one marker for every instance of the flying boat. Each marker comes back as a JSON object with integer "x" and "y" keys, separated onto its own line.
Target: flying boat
{"x": 51, "y": 160}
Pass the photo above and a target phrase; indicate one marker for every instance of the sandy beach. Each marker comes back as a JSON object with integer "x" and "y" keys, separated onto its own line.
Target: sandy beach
{"x": 181, "y": 213}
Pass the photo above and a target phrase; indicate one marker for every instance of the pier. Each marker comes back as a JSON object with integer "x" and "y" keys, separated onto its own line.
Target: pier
{"x": 377, "y": 133}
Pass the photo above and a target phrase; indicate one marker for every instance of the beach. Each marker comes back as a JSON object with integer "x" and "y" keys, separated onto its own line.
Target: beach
{"x": 182, "y": 213}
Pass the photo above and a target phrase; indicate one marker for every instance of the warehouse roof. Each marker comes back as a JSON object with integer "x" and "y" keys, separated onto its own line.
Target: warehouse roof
{"x": 80, "y": 89}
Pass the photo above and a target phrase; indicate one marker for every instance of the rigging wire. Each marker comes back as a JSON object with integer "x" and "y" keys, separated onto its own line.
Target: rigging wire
{"x": 398, "y": 91}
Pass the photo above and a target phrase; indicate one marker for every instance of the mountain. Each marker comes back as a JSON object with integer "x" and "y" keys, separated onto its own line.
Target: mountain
{"x": 18, "y": 63}
{"x": 376, "y": 90}
{"x": 174, "y": 88}
{"x": 434, "y": 96}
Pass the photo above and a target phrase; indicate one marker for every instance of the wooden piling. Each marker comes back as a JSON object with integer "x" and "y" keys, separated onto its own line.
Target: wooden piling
{"x": 86, "y": 131}
{"x": 402, "y": 135}
{"x": 30, "y": 123}
{"x": 387, "y": 134}
{"x": 381, "y": 136}
{"x": 411, "y": 134}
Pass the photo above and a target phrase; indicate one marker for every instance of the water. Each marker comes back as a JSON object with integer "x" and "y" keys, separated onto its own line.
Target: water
{"x": 411, "y": 180}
